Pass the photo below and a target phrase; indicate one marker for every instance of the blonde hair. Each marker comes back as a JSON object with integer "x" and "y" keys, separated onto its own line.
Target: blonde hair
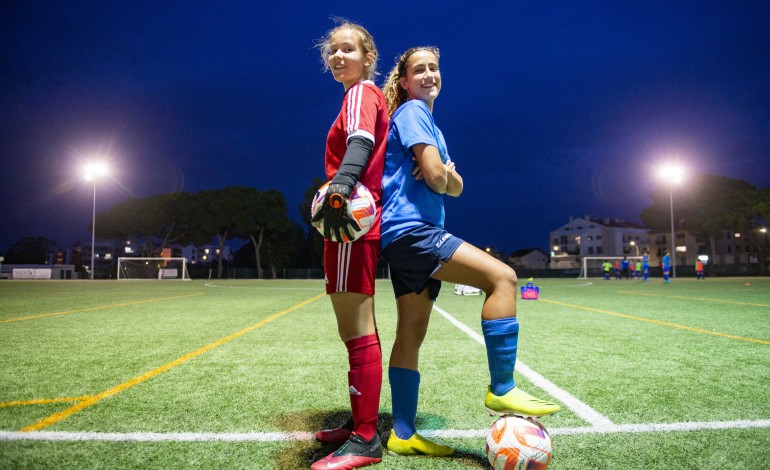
{"x": 394, "y": 93}
{"x": 366, "y": 43}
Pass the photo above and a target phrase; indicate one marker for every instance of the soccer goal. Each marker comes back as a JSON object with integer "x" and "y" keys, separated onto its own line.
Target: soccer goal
{"x": 153, "y": 268}
{"x": 592, "y": 265}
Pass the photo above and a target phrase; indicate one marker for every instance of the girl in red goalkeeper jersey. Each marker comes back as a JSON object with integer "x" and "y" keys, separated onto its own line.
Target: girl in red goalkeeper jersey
{"x": 355, "y": 152}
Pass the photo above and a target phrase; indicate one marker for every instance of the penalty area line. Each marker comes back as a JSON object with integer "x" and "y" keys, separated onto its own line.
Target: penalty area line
{"x": 47, "y": 436}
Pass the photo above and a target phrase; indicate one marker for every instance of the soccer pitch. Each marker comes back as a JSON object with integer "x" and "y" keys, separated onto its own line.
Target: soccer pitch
{"x": 238, "y": 374}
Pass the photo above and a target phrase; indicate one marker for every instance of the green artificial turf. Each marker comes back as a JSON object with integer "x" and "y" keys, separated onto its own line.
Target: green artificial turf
{"x": 224, "y": 358}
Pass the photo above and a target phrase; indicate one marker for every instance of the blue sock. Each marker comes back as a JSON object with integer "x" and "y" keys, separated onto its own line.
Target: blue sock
{"x": 502, "y": 338}
{"x": 404, "y": 391}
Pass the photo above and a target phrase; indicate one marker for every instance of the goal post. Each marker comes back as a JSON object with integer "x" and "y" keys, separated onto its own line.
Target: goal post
{"x": 160, "y": 269}
{"x": 591, "y": 266}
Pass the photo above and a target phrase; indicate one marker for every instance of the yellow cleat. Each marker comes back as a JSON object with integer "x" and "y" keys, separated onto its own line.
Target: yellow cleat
{"x": 518, "y": 402}
{"x": 416, "y": 445}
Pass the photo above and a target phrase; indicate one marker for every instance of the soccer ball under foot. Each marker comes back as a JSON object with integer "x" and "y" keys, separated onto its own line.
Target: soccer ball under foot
{"x": 516, "y": 443}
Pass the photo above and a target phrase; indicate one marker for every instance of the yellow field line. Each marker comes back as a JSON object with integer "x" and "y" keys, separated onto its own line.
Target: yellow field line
{"x": 126, "y": 304}
{"x": 42, "y": 401}
{"x": 695, "y": 298}
{"x": 92, "y": 400}
{"x": 658, "y": 322}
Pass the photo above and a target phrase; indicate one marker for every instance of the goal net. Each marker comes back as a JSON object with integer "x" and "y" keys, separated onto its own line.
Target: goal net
{"x": 592, "y": 265}
{"x": 152, "y": 268}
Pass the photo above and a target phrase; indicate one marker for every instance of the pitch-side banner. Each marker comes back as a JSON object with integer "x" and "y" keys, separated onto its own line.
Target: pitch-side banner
{"x": 32, "y": 273}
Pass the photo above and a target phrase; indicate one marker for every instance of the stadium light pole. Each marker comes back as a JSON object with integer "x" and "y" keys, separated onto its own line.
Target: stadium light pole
{"x": 672, "y": 174}
{"x": 763, "y": 261}
{"x": 92, "y": 171}
{"x": 633, "y": 243}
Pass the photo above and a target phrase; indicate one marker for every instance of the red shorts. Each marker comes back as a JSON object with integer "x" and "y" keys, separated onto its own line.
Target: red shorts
{"x": 351, "y": 267}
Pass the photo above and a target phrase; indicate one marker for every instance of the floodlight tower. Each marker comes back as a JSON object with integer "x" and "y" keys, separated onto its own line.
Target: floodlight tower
{"x": 91, "y": 172}
{"x": 672, "y": 174}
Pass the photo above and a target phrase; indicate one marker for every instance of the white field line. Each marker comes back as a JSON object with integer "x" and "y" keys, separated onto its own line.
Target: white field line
{"x": 307, "y": 436}
{"x": 581, "y": 409}
{"x": 615, "y": 428}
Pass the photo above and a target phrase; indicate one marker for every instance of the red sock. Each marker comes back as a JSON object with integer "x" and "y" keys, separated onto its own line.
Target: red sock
{"x": 365, "y": 381}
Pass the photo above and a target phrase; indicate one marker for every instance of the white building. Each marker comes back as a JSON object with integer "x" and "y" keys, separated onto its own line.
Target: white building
{"x": 588, "y": 236}
{"x": 731, "y": 248}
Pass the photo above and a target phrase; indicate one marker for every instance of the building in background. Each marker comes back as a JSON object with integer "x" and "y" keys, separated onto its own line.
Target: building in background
{"x": 588, "y": 236}
{"x": 529, "y": 258}
{"x": 205, "y": 254}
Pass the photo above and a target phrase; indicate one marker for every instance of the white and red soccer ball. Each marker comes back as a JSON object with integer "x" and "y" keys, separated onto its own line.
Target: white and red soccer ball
{"x": 516, "y": 443}
{"x": 360, "y": 206}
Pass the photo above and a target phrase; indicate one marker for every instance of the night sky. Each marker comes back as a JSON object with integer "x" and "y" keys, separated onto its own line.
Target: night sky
{"x": 549, "y": 109}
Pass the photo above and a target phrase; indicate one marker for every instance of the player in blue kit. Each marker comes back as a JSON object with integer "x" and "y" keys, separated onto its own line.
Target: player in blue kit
{"x": 666, "y": 262}
{"x": 624, "y": 267}
{"x": 421, "y": 254}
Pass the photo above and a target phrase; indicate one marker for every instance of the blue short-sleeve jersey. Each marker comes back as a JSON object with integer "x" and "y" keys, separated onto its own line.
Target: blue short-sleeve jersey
{"x": 409, "y": 203}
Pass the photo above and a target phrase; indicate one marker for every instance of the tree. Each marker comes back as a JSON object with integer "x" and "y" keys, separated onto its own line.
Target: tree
{"x": 218, "y": 213}
{"x": 264, "y": 212}
{"x": 263, "y": 221}
{"x": 164, "y": 218}
{"x": 281, "y": 248}
{"x": 30, "y": 250}
{"x": 313, "y": 243}
{"x": 706, "y": 205}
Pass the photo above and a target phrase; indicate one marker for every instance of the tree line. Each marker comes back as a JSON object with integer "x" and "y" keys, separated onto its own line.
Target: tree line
{"x": 704, "y": 206}
{"x": 259, "y": 218}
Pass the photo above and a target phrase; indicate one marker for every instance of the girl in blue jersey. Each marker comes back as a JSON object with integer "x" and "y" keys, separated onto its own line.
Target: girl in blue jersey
{"x": 421, "y": 254}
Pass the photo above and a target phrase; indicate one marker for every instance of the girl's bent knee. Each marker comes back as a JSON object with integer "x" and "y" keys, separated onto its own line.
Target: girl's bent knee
{"x": 509, "y": 277}
{"x": 505, "y": 280}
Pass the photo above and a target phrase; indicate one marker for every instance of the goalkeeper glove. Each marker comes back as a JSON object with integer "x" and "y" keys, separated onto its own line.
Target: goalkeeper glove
{"x": 334, "y": 213}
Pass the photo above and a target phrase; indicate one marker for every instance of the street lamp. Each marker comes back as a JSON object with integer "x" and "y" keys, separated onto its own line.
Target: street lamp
{"x": 763, "y": 261}
{"x": 633, "y": 243}
{"x": 91, "y": 172}
{"x": 672, "y": 174}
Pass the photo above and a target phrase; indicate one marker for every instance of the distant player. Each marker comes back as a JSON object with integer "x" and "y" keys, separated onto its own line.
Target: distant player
{"x": 631, "y": 269}
{"x": 624, "y": 268}
{"x": 638, "y": 269}
{"x": 355, "y": 151}
{"x": 616, "y": 268}
{"x": 646, "y": 267}
{"x": 666, "y": 265}
{"x": 606, "y": 267}
{"x": 421, "y": 254}
{"x": 699, "y": 270}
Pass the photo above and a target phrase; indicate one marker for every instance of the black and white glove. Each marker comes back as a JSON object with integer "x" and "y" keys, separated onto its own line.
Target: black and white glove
{"x": 335, "y": 215}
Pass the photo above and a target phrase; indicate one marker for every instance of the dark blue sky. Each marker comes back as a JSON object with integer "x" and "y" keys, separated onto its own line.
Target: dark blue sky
{"x": 550, "y": 109}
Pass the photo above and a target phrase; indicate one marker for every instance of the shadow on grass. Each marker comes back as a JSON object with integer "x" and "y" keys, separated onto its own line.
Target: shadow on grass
{"x": 301, "y": 454}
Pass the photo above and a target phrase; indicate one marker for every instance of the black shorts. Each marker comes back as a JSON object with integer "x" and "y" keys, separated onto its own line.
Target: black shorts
{"x": 415, "y": 255}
